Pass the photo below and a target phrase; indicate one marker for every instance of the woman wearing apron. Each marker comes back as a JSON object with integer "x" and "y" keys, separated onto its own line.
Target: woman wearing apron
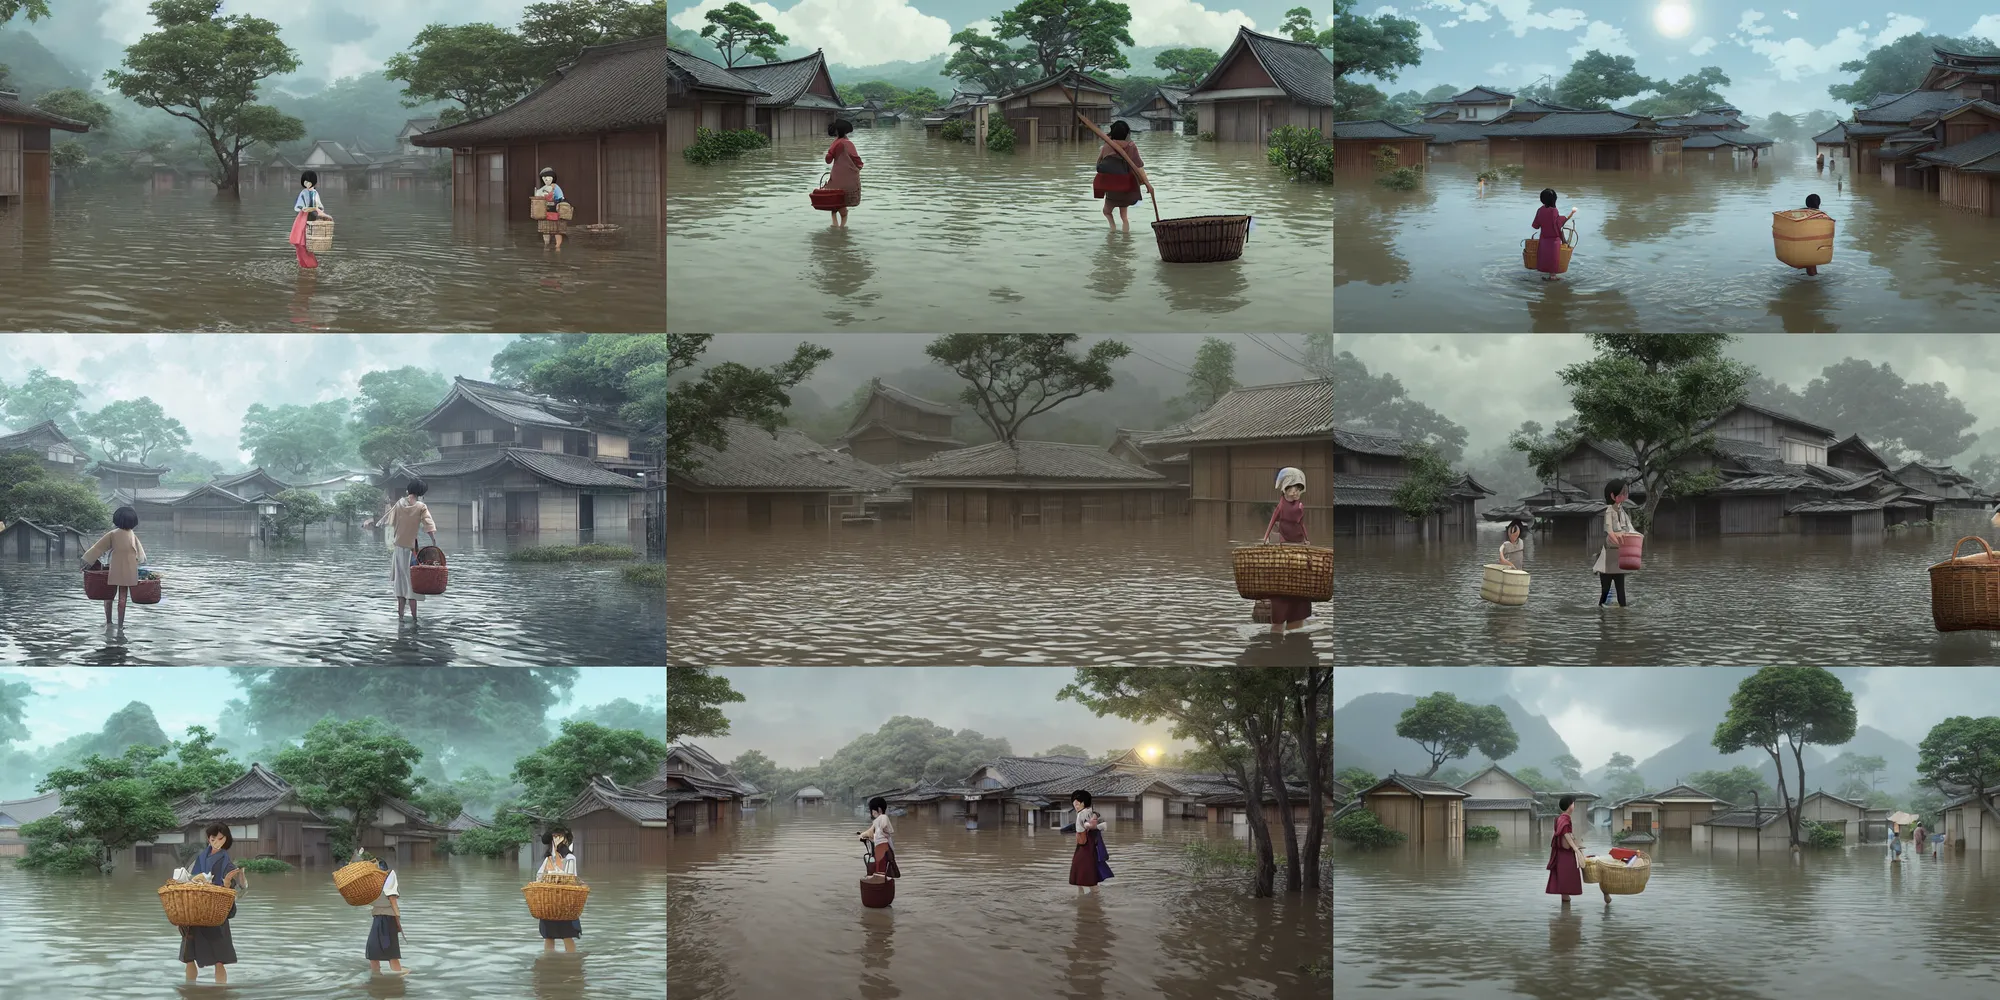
{"x": 1616, "y": 525}
{"x": 202, "y": 947}
{"x": 401, "y": 521}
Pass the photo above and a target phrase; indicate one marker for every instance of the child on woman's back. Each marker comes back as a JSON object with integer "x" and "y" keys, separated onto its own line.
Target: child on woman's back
{"x": 127, "y": 554}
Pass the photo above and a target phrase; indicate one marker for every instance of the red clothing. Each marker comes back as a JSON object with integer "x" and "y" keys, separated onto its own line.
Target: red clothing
{"x": 885, "y": 861}
{"x": 1083, "y": 861}
{"x": 846, "y": 173}
{"x": 1565, "y": 878}
{"x": 298, "y": 240}
{"x": 1291, "y": 527}
{"x": 1548, "y": 255}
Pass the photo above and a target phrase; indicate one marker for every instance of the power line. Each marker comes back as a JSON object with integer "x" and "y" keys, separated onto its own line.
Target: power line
{"x": 1294, "y": 359}
{"x": 1157, "y": 361}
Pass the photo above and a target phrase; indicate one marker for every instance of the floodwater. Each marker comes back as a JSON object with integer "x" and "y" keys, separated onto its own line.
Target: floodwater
{"x": 1739, "y": 601}
{"x": 1710, "y": 924}
{"x": 130, "y": 259}
{"x": 1690, "y": 251}
{"x": 896, "y": 593}
{"x": 468, "y": 933}
{"x": 771, "y": 910}
{"x": 950, "y": 234}
{"x": 329, "y": 602}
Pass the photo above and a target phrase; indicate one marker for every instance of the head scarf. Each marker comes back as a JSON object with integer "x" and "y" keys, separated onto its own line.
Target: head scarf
{"x": 1289, "y": 476}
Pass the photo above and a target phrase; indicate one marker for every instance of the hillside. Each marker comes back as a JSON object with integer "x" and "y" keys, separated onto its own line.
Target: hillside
{"x": 1695, "y": 753}
{"x": 1370, "y": 722}
{"x": 32, "y": 70}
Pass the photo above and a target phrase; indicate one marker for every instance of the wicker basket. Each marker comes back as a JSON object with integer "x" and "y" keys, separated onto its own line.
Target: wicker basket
{"x": 565, "y": 211}
{"x": 537, "y": 207}
{"x": 1965, "y": 590}
{"x": 1201, "y": 239}
{"x": 97, "y": 585}
{"x": 1531, "y": 250}
{"x": 877, "y": 891}
{"x": 551, "y": 900}
{"x": 1260, "y": 612}
{"x": 147, "y": 591}
{"x": 196, "y": 904}
{"x": 428, "y": 575}
{"x": 1618, "y": 880}
{"x": 1273, "y": 570}
{"x": 360, "y": 883}
{"x": 319, "y": 235}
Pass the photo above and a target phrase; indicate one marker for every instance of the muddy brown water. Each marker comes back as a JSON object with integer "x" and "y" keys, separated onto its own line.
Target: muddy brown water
{"x": 1686, "y": 251}
{"x": 469, "y": 934}
{"x": 328, "y": 603}
{"x": 771, "y": 910}
{"x": 1745, "y": 601}
{"x": 949, "y": 233}
{"x": 897, "y": 594}
{"x": 122, "y": 258}
{"x": 1410, "y": 922}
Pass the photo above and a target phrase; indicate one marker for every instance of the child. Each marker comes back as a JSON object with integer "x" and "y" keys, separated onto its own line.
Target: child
{"x": 307, "y": 207}
{"x": 1510, "y": 550}
{"x": 561, "y": 859}
{"x": 127, "y": 553}
{"x": 1116, "y": 181}
{"x": 1548, "y": 253}
{"x": 1089, "y": 864}
{"x": 387, "y": 924}
{"x": 1617, "y": 524}
{"x": 1288, "y": 613}
{"x": 552, "y": 193}
{"x": 881, "y": 834}
{"x": 1812, "y": 202}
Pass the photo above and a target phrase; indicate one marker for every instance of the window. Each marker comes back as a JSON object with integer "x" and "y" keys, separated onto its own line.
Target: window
{"x": 496, "y": 167}
{"x": 247, "y": 831}
{"x": 447, "y": 439}
{"x": 503, "y": 434}
{"x": 485, "y": 435}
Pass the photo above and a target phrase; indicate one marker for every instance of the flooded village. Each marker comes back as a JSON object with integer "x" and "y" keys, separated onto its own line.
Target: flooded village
{"x": 261, "y": 506}
{"x": 970, "y": 166}
{"x": 1789, "y": 500}
{"x": 990, "y": 499}
{"x": 1719, "y": 855}
{"x": 113, "y": 781}
{"x": 1811, "y": 175}
{"x": 133, "y": 198}
{"x": 774, "y": 770}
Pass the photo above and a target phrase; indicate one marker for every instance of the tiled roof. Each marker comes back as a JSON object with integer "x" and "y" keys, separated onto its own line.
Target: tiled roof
{"x": 786, "y": 82}
{"x": 685, "y": 70}
{"x": 569, "y": 470}
{"x": 608, "y": 88}
{"x": 206, "y": 489}
{"x": 1421, "y": 786}
{"x": 336, "y": 152}
{"x": 1070, "y": 78}
{"x": 913, "y": 400}
{"x": 1974, "y": 104}
{"x": 256, "y": 793}
{"x": 1368, "y": 442}
{"x": 1713, "y": 140}
{"x": 603, "y": 793}
{"x": 1440, "y": 113}
{"x": 13, "y": 109}
{"x": 1833, "y": 136}
{"x": 1376, "y": 128}
{"x": 906, "y": 435}
{"x": 1034, "y": 770}
{"x": 758, "y": 459}
{"x": 1471, "y": 804}
{"x": 30, "y": 810}
{"x": 1746, "y": 819}
{"x": 1972, "y": 150}
{"x": 467, "y": 821}
{"x": 22, "y": 438}
{"x": 1481, "y": 95}
{"x": 1364, "y": 491}
{"x": 513, "y": 405}
{"x": 1582, "y": 124}
{"x": 1904, "y": 107}
{"x": 1529, "y": 105}
{"x": 1260, "y": 412}
{"x": 1448, "y": 131}
{"x": 131, "y": 468}
{"x": 1300, "y": 70}
{"x": 150, "y": 494}
{"x": 1775, "y": 415}
{"x": 1764, "y": 484}
{"x": 1684, "y": 792}
{"x": 1029, "y": 460}
{"x": 809, "y": 792}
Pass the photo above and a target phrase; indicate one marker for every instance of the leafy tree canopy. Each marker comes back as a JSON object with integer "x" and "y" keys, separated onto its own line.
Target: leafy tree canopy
{"x": 43, "y": 397}
{"x": 1597, "y": 79}
{"x": 1085, "y": 34}
{"x": 554, "y": 774}
{"x": 1734, "y": 785}
{"x": 1902, "y": 420}
{"x": 1900, "y": 66}
{"x": 352, "y": 765}
{"x": 1377, "y": 47}
{"x": 1300, "y": 27}
{"x": 133, "y": 429}
{"x": 623, "y": 713}
{"x": 694, "y": 700}
{"x": 294, "y": 440}
{"x": 1014, "y": 376}
{"x": 735, "y": 26}
{"x": 1449, "y": 729}
{"x": 1962, "y": 754}
{"x": 1380, "y": 402}
{"x": 989, "y": 65}
{"x": 696, "y": 408}
{"x": 1186, "y": 66}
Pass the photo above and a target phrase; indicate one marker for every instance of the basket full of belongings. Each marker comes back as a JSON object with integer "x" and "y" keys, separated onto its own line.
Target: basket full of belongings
{"x": 556, "y": 896}
{"x": 1623, "y": 873}
{"x": 148, "y": 589}
{"x": 197, "y": 903}
{"x": 97, "y": 582}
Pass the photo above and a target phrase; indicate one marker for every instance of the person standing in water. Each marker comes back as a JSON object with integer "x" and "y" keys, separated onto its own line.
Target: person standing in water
{"x": 561, "y": 860}
{"x": 1289, "y": 518}
{"x": 1510, "y": 550}
{"x": 202, "y": 947}
{"x": 552, "y": 193}
{"x": 1118, "y": 182}
{"x": 1565, "y": 865}
{"x": 1548, "y": 253}
{"x": 845, "y": 168}
{"x": 1617, "y": 524}
{"x": 1812, "y": 203}
{"x": 881, "y": 838}
{"x": 307, "y": 207}
{"x": 1089, "y": 864}
{"x": 127, "y": 554}
{"x": 387, "y": 922}
{"x": 401, "y": 520}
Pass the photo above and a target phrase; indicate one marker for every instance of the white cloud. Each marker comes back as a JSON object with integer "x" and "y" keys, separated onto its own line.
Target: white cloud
{"x": 1453, "y": 23}
{"x": 1748, "y": 25}
{"x": 1792, "y": 14}
{"x": 859, "y": 32}
{"x": 1987, "y": 27}
{"x": 1521, "y": 17}
{"x": 1701, "y": 47}
{"x": 1796, "y": 57}
{"x": 1425, "y": 39}
{"x": 1898, "y": 26}
{"x": 1603, "y": 37}
{"x": 1477, "y": 12}
{"x": 1499, "y": 70}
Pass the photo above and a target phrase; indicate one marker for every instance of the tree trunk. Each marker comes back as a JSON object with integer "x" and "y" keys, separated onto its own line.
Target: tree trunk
{"x": 1785, "y": 800}
{"x": 1267, "y": 866}
{"x": 1798, "y": 756}
{"x": 1318, "y": 762}
{"x": 1274, "y": 768}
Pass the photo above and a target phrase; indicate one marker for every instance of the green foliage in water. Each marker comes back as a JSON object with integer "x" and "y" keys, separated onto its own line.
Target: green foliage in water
{"x": 646, "y": 574}
{"x": 571, "y": 553}
{"x": 301, "y": 508}
{"x": 1818, "y": 834}
{"x": 1206, "y": 137}
{"x": 28, "y": 491}
{"x": 1488, "y": 176}
{"x": 1513, "y": 170}
{"x": 1201, "y": 854}
{"x": 1362, "y": 829}
{"x": 1317, "y": 970}
{"x": 954, "y": 131}
{"x": 54, "y": 844}
{"x": 1000, "y": 136}
{"x": 711, "y": 145}
{"x": 1622, "y": 835}
{"x": 1422, "y": 493}
{"x": 509, "y": 831}
{"x": 1401, "y": 179}
{"x": 264, "y": 866}
{"x": 1301, "y": 153}
{"x": 1481, "y": 834}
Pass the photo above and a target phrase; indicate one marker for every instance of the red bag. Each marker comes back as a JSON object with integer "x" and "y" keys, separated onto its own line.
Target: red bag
{"x": 97, "y": 584}
{"x": 552, "y": 217}
{"x": 1629, "y": 546}
{"x": 1622, "y": 854}
{"x": 828, "y": 199}
{"x": 428, "y": 575}
{"x": 147, "y": 592}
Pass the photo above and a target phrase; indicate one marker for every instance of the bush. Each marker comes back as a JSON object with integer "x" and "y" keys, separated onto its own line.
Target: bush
{"x": 1000, "y": 136}
{"x": 1820, "y": 835}
{"x": 1621, "y": 836}
{"x": 1302, "y": 152}
{"x": 571, "y": 553}
{"x": 646, "y": 574}
{"x": 1401, "y": 179}
{"x": 954, "y": 131}
{"x": 1362, "y": 829}
{"x": 57, "y": 845}
{"x": 1478, "y": 834}
{"x": 1190, "y": 125}
{"x": 1206, "y": 137}
{"x": 1513, "y": 170}
{"x": 264, "y": 866}
{"x": 46, "y": 501}
{"x": 501, "y": 840}
{"x": 711, "y": 145}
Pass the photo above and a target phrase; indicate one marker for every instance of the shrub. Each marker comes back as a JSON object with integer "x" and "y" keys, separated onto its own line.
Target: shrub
{"x": 954, "y": 130}
{"x": 1000, "y": 136}
{"x": 646, "y": 574}
{"x": 1513, "y": 170}
{"x": 571, "y": 553}
{"x": 264, "y": 866}
{"x": 1362, "y": 829}
{"x": 57, "y": 845}
{"x": 1190, "y": 124}
{"x": 711, "y": 145}
{"x": 1401, "y": 179}
{"x": 1206, "y": 137}
{"x": 1620, "y": 836}
{"x": 1477, "y": 834}
{"x": 1302, "y": 152}
{"x": 1820, "y": 835}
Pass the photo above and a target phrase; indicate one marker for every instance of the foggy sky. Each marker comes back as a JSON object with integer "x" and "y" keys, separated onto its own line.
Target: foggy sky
{"x": 1904, "y": 702}
{"x": 331, "y": 40}
{"x": 206, "y": 381}
{"x": 796, "y": 715}
{"x": 1489, "y": 383}
{"x": 73, "y": 700}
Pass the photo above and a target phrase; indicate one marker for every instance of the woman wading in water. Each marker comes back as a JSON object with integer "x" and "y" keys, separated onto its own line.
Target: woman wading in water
{"x": 1288, "y": 613}
{"x": 401, "y": 520}
{"x": 845, "y": 168}
{"x": 306, "y": 208}
{"x": 1565, "y": 855}
{"x": 202, "y": 947}
{"x": 1117, "y": 182}
{"x": 561, "y": 860}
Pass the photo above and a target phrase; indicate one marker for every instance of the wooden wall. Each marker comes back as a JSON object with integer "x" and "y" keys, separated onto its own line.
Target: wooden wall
{"x": 1582, "y": 154}
{"x": 1975, "y": 193}
{"x": 635, "y": 174}
{"x": 10, "y": 160}
{"x": 691, "y": 511}
{"x": 1966, "y": 128}
{"x": 1790, "y": 442}
{"x": 1233, "y": 486}
{"x": 680, "y": 134}
{"x": 1753, "y": 515}
{"x": 606, "y": 836}
{"x": 1358, "y": 155}
{"x": 1026, "y": 506}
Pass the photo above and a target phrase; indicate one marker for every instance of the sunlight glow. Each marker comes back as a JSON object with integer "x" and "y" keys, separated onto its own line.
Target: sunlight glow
{"x": 1150, "y": 752}
{"x": 1673, "y": 18}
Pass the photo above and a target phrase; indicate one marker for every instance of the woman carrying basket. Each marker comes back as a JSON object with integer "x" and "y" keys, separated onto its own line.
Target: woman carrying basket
{"x": 844, "y": 168}
{"x": 402, "y": 519}
{"x": 552, "y": 193}
{"x": 561, "y": 861}
{"x": 1289, "y": 613}
{"x": 307, "y": 207}
{"x": 1116, "y": 182}
{"x": 202, "y": 947}
{"x": 1565, "y": 855}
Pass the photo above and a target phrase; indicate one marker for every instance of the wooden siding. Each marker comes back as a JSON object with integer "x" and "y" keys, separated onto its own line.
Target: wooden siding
{"x": 10, "y": 160}
{"x": 1792, "y": 442}
{"x": 1358, "y": 155}
{"x": 681, "y": 124}
{"x": 1232, "y": 486}
{"x": 1601, "y": 154}
{"x": 1516, "y": 826}
{"x": 1347, "y": 463}
{"x": 1753, "y": 515}
{"x": 691, "y": 511}
{"x": 1968, "y": 127}
{"x": 1027, "y": 506}
{"x": 1975, "y": 193}
{"x": 604, "y": 835}
{"x": 1243, "y": 72}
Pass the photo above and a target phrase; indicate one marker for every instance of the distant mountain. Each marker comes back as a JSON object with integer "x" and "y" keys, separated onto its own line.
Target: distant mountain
{"x": 32, "y": 70}
{"x": 1694, "y": 753}
{"x": 1369, "y": 724}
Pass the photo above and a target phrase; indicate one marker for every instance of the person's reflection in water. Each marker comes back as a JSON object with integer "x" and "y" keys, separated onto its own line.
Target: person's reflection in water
{"x": 558, "y": 975}
{"x": 1291, "y": 649}
{"x": 1111, "y": 266}
{"x": 1802, "y": 306}
{"x": 1565, "y": 932}
{"x": 302, "y": 301}
{"x": 1089, "y": 949}
{"x": 385, "y": 987}
{"x": 877, "y": 947}
{"x": 840, "y": 267}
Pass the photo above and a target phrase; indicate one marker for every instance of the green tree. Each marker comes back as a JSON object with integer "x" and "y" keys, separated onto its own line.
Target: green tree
{"x": 205, "y": 68}
{"x": 1693, "y": 91}
{"x": 1425, "y": 491}
{"x": 903, "y": 751}
{"x": 556, "y": 32}
{"x": 1783, "y": 126}
{"x": 188, "y": 467}
{"x": 1621, "y": 779}
{"x": 1734, "y": 785}
{"x": 625, "y": 373}
{"x": 694, "y": 700}
{"x": 1655, "y": 394}
{"x": 1213, "y": 373}
{"x": 481, "y": 66}
{"x": 752, "y": 766}
{"x": 1084, "y": 35}
{"x": 623, "y": 713}
{"x": 357, "y": 500}
{"x": 1359, "y": 101}
{"x": 111, "y": 802}
{"x": 302, "y": 509}
{"x": 697, "y": 408}
{"x": 1920, "y": 419}
{"x": 1862, "y": 772}
{"x": 77, "y": 104}
{"x": 477, "y": 787}
{"x": 1014, "y": 376}
{"x": 913, "y": 102}
{"x": 1596, "y": 80}
{"x": 296, "y": 439}
{"x": 735, "y": 25}
{"x": 354, "y": 766}
{"x": 1186, "y": 66}
{"x": 132, "y": 429}
{"x": 554, "y": 774}
{"x": 1900, "y": 66}
{"x": 1299, "y": 25}
{"x": 1569, "y": 767}
{"x": 14, "y": 697}
{"x": 1533, "y": 777}
{"x": 1448, "y": 729}
{"x": 1780, "y": 706}
{"x": 512, "y": 365}
{"x": 1356, "y": 778}
{"x": 47, "y": 500}
{"x": 385, "y": 415}
{"x": 1380, "y": 402}
{"x": 192, "y": 765}
{"x": 989, "y": 65}
{"x": 1377, "y": 47}
{"x": 133, "y": 725}
{"x": 1064, "y": 750}
{"x": 1961, "y": 756}
{"x": 35, "y": 11}
{"x": 45, "y": 397}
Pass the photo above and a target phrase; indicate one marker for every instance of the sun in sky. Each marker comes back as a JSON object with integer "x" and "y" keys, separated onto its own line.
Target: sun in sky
{"x": 1150, "y": 753}
{"x": 1673, "y": 18}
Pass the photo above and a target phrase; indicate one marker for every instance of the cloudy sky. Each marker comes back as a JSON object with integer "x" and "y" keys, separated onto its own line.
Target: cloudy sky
{"x": 206, "y": 381}
{"x": 72, "y": 700}
{"x": 1904, "y": 702}
{"x": 1489, "y": 383}
{"x": 866, "y": 32}
{"x": 332, "y": 39}
{"x": 796, "y": 715}
{"x": 1779, "y": 57}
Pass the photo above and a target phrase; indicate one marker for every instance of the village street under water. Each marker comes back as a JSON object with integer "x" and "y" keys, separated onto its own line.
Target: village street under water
{"x": 1743, "y": 601}
{"x": 1415, "y": 923}
{"x": 328, "y": 603}
{"x": 1677, "y": 251}
{"x": 127, "y": 258}
{"x": 950, "y": 235}
{"x": 469, "y": 934}
{"x": 896, "y": 593}
{"x": 770, "y": 910}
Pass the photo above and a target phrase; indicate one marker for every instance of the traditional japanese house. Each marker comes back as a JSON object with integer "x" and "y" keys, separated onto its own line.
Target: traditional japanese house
{"x": 1892, "y": 118}
{"x": 1450, "y": 140}
{"x": 1951, "y": 487}
{"x": 152, "y": 505}
{"x": 1262, "y": 82}
{"x": 1356, "y": 144}
{"x": 25, "y": 172}
{"x": 1844, "y": 816}
{"x": 1341, "y": 790}
{"x": 617, "y": 824}
{"x": 764, "y": 478}
{"x": 127, "y": 475}
{"x": 800, "y": 100}
{"x": 1368, "y": 466}
{"x": 1427, "y": 812}
{"x": 1586, "y": 140}
{"x": 701, "y": 94}
{"x": 1750, "y": 830}
{"x": 338, "y": 167}
{"x": 600, "y": 121}
{"x": 401, "y": 831}
{"x": 25, "y": 539}
{"x": 1962, "y": 160}
{"x": 896, "y": 426}
{"x": 16, "y": 813}
{"x": 212, "y": 509}
{"x": 1162, "y": 108}
{"x": 684, "y": 758}
{"x": 1504, "y": 802}
{"x": 413, "y": 127}
{"x": 809, "y": 797}
{"x": 1668, "y": 815}
{"x": 265, "y": 819}
{"x": 1032, "y": 482}
{"x": 463, "y": 822}
{"x": 1479, "y": 104}
{"x": 1717, "y": 129}
{"x": 254, "y": 483}
{"x": 995, "y": 784}
{"x": 1968, "y": 825}
{"x": 1130, "y": 446}
{"x": 333, "y": 486}
{"x": 1236, "y": 447}
{"x": 962, "y": 106}
{"x": 1040, "y": 111}
{"x": 48, "y": 443}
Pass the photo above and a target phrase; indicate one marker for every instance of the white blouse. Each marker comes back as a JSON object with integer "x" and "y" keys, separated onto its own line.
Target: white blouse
{"x": 567, "y": 865}
{"x": 881, "y": 831}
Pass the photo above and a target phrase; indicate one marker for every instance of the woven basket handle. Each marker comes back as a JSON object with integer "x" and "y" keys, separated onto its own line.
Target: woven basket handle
{"x": 1971, "y": 538}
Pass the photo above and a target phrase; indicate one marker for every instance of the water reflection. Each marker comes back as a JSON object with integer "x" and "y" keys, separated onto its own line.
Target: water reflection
{"x": 1111, "y": 267}
{"x": 1698, "y": 602}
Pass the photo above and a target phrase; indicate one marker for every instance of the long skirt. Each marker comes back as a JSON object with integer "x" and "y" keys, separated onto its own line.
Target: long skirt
{"x": 399, "y": 573}
{"x": 382, "y": 944}
{"x": 1083, "y": 865}
{"x": 1565, "y": 878}
{"x": 298, "y": 241}
{"x": 206, "y": 946}
{"x": 556, "y": 226}
{"x": 1290, "y": 609}
{"x": 556, "y": 930}
{"x": 885, "y": 862}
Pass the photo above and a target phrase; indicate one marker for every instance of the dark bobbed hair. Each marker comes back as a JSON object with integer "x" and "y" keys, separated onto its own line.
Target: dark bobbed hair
{"x": 1549, "y": 197}
{"x": 1081, "y": 796}
{"x": 1612, "y": 488}
{"x": 1517, "y": 525}
{"x": 228, "y": 841}
{"x": 839, "y": 127}
{"x": 309, "y": 177}
{"x": 549, "y": 839}
{"x": 548, "y": 172}
{"x": 1565, "y": 802}
{"x": 879, "y": 803}
{"x": 417, "y": 488}
{"x": 1812, "y": 201}
{"x": 1120, "y": 130}
{"x": 125, "y": 517}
